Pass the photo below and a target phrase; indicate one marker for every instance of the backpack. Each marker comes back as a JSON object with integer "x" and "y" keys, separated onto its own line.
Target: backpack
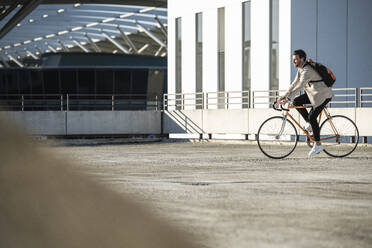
{"x": 324, "y": 72}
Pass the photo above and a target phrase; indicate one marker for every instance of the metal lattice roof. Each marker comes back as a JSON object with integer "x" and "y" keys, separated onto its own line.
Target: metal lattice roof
{"x": 108, "y": 28}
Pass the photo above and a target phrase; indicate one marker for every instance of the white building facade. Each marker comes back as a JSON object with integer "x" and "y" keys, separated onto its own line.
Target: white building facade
{"x": 235, "y": 45}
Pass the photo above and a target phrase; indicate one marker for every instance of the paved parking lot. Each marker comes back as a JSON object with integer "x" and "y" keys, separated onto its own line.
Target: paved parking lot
{"x": 228, "y": 194}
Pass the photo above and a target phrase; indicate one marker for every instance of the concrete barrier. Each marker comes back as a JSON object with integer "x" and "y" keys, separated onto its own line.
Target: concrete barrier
{"x": 363, "y": 118}
{"x": 204, "y": 122}
{"x": 226, "y": 121}
{"x": 86, "y": 122}
{"x": 247, "y": 121}
{"x": 183, "y": 121}
{"x": 113, "y": 122}
{"x": 38, "y": 122}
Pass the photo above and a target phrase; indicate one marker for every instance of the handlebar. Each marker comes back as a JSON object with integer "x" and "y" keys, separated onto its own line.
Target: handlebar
{"x": 281, "y": 107}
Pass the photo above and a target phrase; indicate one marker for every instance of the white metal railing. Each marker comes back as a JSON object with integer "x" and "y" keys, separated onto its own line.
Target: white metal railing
{"x": 68, "y": 102}
{"x": 182, "y": 100}
{"x": 227, "y": 99}
{"x": 264, "y": 97}
{"x": 207, "y": 100}
{"x": 365, "y": 97}
{"x": 344, "y": 96}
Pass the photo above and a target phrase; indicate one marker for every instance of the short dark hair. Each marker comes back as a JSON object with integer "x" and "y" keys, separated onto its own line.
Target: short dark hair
{"x": 301, "y": 53}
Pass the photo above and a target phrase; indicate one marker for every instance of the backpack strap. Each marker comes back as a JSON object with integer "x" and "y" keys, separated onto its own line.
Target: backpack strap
{"x": 312, "y": 81}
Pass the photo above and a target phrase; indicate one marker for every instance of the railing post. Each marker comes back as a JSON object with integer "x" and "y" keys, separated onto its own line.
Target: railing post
{"x": 182, "y": 102}
{"x": 227, "y": 99}
{"x": 355, "y": 98}
{"x": 156, "y": 102}
{"x": 203, "y": 100}
{"x": 61, "y": 102}
{"x": 23, "y": 103}
{"x": 112, "y": 103}
{"x": 252, "y": 99}
{"x": 206, "y": 100}
{"x": 67, "y": 103}
{"x": 360, "y": 97}
{"x": 164, "y": 102}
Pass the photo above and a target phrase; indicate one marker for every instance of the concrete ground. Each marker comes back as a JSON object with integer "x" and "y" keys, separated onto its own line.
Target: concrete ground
{"x": 228, "y": 194}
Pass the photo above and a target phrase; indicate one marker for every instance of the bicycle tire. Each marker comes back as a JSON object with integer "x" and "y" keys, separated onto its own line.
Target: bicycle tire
{"x": 273, "y": 146}
{"x": 348, "y": 140}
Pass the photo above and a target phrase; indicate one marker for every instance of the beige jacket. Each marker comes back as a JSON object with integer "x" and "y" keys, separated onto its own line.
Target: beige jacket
{"x": 317, "y": 92}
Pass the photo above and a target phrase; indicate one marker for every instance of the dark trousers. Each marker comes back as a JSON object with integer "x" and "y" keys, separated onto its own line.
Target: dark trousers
{"x": 311, "y": 116}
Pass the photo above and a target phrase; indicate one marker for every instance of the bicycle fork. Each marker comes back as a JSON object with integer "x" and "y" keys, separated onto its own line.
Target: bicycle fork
{"x": 282, "y": 128}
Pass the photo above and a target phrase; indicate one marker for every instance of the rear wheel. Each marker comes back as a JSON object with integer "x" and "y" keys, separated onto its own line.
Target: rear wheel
{"x": 277, "y": 137}
{"x": 339, "y": 136}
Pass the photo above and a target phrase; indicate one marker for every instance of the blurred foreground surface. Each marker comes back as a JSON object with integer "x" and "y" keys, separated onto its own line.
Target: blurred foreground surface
{"x": 45, "y": 202}
{"x": 231, "y": 195}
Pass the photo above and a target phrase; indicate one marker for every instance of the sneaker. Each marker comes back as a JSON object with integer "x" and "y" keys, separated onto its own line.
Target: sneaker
{"x": 316, "y": 150}
{"x": 308, "y": 128}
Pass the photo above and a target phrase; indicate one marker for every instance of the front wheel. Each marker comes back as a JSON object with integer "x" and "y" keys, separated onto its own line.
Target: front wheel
{"x": 277, "y": 137}
{"x": 339, "y": 136}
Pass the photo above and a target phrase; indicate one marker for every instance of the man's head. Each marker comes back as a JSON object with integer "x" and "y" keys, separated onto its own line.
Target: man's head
{"x": 299, "y": 58}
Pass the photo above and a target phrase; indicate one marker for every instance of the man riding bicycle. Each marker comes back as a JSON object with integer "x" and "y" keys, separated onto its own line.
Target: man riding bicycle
{"x": 317, "y": 93}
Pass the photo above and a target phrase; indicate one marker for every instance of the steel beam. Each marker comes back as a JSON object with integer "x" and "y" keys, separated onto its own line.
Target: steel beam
{"x": 64, "y": 48}
{"x": 15, "y": 60}
{"x": 127, "y": 39}
{"x": 151, "y": 35}
{"x": 50, "y": 47}
{"x": 6, "y": 11}
{"x": 93, "y": 44}
{"x": 4, "y": 62}
{"x": 31, "y": 54}
{"x": 81, "y": 46}
{"x": 162, "y": 28}
{"x": 156, "y": 3}
{"x": 26, "y": 9}
{"x": 117, "y": 44}
{"x": 158, "y": 51}
{"x": 38, "y": 49}
{"x": 143, "y": 48}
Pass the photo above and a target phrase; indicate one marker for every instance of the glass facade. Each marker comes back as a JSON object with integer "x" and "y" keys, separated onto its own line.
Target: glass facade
{"x": 274, "y": 44}
{"x": 67, "y": 81}
{"x": 82, "y": 85}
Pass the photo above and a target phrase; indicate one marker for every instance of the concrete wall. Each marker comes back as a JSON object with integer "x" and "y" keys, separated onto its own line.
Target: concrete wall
{"x": 334, "y": 32}
{"x": 86, "y": 122}
{"x": 246, "y": 121}
{"x": 338, "y": 34}
{"x": 260, "y": 33}
{"x": 212, "y": 121}
{"x": 38, "y": 122}
{"x": 113, "y": 122}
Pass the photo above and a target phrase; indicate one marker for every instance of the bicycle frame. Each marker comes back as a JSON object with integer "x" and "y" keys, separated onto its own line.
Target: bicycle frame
{"x": 324, "y": 111}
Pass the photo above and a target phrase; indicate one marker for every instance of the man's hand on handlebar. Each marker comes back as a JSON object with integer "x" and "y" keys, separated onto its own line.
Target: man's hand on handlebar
{"x": 282, "y": 100}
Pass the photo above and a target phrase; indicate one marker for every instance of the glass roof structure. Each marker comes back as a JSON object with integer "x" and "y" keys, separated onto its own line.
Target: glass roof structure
{"x": 80, "y": 27}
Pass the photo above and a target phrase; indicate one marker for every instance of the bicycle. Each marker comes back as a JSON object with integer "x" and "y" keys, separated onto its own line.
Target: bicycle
{"x": 277, "y": 136}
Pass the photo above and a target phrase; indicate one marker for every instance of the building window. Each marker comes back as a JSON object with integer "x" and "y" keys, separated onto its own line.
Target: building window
{"x": 274, "y": 44}
{"x": 199, "y": 58}
{"x": 221, "y": 56}
{"x": 178, "y": 55}
{"x": 246, "y": 82}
